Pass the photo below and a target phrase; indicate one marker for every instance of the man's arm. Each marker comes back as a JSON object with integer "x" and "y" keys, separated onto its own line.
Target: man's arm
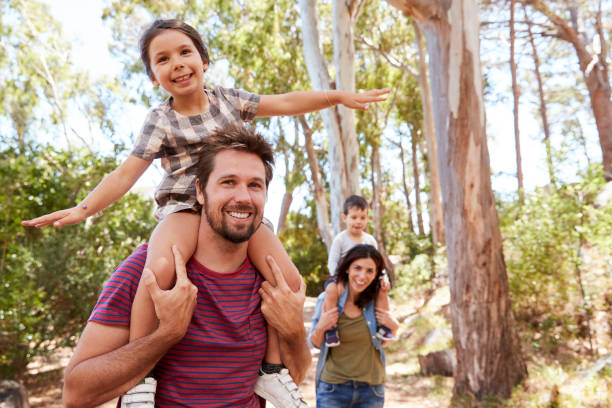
{"x": 105, "y": 366}
{"x": 284, "y": 310}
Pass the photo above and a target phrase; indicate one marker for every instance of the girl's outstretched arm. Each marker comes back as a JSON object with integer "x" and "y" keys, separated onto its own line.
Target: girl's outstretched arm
{"x": 300, "y": 102}
{"x": 110, "y": 189}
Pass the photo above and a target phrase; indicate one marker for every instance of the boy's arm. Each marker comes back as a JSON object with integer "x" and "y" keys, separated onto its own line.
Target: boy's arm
{"x": 110, "y": 189}
{"x": 300, "y": 102}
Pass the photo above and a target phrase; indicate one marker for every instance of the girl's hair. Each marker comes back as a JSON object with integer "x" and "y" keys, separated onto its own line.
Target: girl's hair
{"x": 358, "y": 252}
{"x": 160, "y": 25}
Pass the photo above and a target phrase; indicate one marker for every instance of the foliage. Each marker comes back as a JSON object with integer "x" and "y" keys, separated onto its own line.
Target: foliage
{"x": 51, "y": 277}
{"x": 307, "y": 250}
{"x": 545, "y": 244}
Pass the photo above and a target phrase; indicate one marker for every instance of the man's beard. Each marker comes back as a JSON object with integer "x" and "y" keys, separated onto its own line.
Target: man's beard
{"x": 221, "y": 227}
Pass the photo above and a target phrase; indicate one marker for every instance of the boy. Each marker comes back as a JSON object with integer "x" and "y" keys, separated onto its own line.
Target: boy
{"x": 355, "y": 216}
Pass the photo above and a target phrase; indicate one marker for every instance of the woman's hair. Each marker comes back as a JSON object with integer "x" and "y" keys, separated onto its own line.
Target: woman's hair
{"x": 160, "y": 25}
{"x": 358, "y": 252}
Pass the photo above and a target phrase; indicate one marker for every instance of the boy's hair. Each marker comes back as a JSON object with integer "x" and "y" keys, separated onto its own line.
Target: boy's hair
{"x": 233, "y": 137}
{"x": 358, "y": 252}
{"x": 160, "y": 25}
{"x": 356, "y": 201}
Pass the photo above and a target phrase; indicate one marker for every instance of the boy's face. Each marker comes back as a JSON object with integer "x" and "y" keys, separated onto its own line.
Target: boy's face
{"x": 356, "y": 220}
{"x": 176, "y": 64}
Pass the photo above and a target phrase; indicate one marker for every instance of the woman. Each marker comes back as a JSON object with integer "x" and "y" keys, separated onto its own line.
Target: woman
{"x": 353, "y": 373}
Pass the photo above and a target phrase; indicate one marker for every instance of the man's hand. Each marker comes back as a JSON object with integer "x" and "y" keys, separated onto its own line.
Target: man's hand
{"x": 173, "y": 307}
{"x": 283, "y": 308}
{"x": 284, "y": 311}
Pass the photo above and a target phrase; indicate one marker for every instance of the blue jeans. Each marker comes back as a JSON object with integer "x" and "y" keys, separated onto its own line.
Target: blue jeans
{"x": 351, "y": 394}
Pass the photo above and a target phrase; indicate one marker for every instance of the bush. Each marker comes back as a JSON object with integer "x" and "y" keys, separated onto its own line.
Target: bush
{"x": 51, "y": 277}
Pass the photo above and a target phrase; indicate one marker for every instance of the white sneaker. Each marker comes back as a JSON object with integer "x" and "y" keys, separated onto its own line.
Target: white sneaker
{"x": 279, "y": 390}
{"x": 141, "y": 396}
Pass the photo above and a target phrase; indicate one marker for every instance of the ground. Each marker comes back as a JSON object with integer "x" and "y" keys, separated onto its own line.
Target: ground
{"x": 556, "y": 379}
{"x": 403, "y": 388}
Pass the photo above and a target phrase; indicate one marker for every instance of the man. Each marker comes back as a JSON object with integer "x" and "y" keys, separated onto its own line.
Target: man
{"x": 211, "y": 334}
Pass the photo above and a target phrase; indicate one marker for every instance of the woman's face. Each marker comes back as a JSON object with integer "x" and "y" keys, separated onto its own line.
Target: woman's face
{"x": 360, "y": 274}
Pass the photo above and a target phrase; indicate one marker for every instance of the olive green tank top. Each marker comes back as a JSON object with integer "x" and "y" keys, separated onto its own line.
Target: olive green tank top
{"x": 355, "y": 358}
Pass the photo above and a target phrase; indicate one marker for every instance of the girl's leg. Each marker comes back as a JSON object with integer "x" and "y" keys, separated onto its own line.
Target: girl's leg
{"x": 180, "y": 229}
{"x": 331, "y": 296}
{"x": 263, "y": 243}
{"x": 273, "y": 385}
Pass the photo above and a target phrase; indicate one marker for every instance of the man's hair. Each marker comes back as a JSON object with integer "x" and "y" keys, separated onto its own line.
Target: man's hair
{"x": 355, "y": 201}
{"x": 233, "y": 137}
{"x": 361, "y": 251}
{"x": 159, "y": 26}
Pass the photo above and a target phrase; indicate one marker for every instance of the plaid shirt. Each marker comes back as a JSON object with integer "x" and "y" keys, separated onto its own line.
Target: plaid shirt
{"x": 177, "y": 140}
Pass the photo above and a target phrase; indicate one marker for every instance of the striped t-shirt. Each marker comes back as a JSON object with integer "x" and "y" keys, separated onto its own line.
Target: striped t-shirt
{"x": 216, "y": 363}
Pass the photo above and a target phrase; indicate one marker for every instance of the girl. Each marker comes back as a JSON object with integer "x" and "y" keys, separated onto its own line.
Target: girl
{"x": 352, "y": 375}
{"x": 175, "y": 58}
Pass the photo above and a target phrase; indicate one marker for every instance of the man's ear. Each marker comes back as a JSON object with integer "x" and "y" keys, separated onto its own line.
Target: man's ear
{"x": 199, "y": 194}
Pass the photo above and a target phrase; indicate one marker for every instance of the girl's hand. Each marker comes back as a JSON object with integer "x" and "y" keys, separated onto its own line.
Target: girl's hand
{"x": 328, "y": 319}
{"x": 385, "y": 285}
{"x": 59, "y": 218}
{"x": 385, "y": 318}
{"x": 362, "y": 100}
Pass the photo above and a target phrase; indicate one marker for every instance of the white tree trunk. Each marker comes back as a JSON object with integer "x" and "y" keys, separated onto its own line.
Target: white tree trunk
{"x": 343, "y": 149}
{"x": 344, "y": 60}
{"x": 437, "y": 221}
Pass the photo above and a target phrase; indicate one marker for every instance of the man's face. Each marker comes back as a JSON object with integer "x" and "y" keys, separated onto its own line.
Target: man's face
{"x": 235, "y": 195}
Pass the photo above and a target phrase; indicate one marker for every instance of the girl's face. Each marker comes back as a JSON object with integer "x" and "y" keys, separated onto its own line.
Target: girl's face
{"x": 361, "y": 273}
{"x": 176, "y": 64}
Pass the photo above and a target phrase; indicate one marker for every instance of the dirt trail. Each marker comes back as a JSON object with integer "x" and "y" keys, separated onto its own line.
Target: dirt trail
{"x": 401, "y": 390}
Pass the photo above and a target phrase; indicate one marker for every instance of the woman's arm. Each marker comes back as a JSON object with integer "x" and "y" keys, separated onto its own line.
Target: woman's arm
{"x": 300, "y": 102}
{"x": 110, "y": 189}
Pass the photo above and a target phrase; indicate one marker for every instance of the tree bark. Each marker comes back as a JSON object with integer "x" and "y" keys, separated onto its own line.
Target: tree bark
{"x": 516, "y": 96}
{"x": 417, "y": 184}
{"x": 594, "y": 68}
{"x": 437, "y": 222}
{"x": 343, "y": 149}
{"x": 489, "y": 358}
{"x": 325, "y": 231}
{"x": 542, "y": 99}
{"x": 378, "y": 208}
{"x": 406, "y": 188}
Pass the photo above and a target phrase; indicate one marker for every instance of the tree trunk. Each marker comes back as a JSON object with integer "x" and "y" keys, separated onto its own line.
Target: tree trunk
{"x": 378, "y": 208}
{"x": 344, "y": 16}
{"x": 406, "y": 188}
{"x": 489, "y": 358}
{"x": 325, "y": 231}
{"x": 542, "y": 99}
{"x": 594, "y": 68}
{"x": 417, "y": 184}
{"x": 437, "y": 222}
{"x": 341, "y": 152}
{"x": 516, "y": 95}
{"x": 284, "y": 210}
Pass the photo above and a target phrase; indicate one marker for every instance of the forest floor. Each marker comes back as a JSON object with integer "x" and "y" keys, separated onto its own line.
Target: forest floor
{"x": 553, "y": 377}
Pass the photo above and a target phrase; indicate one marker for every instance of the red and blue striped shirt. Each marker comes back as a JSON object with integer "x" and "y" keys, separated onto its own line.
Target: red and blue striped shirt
{"x": 216, "y": 363}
